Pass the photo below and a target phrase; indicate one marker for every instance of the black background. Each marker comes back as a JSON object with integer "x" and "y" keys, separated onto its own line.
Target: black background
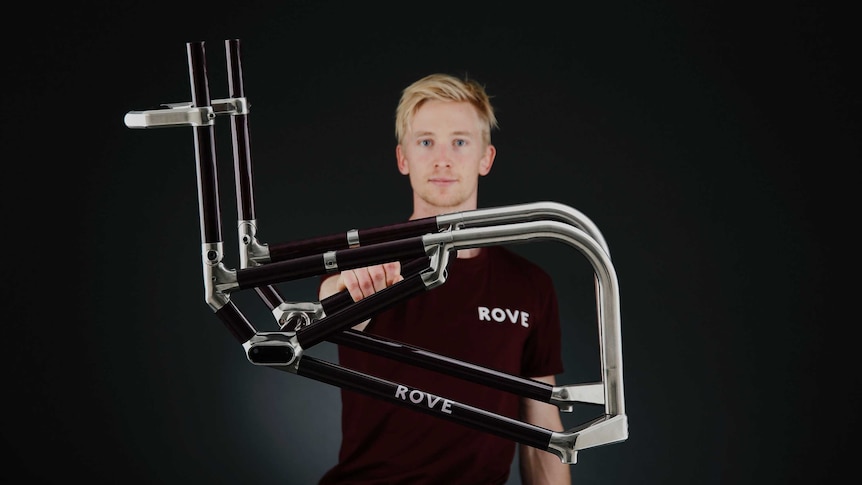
{"x": 714, "y": 145}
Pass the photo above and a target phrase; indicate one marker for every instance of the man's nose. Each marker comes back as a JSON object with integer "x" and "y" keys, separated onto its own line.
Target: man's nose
{"x": 443, "y": 156}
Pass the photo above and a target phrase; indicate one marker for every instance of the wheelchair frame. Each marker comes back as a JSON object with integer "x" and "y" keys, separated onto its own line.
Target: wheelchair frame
{"x": 423, "y": 246}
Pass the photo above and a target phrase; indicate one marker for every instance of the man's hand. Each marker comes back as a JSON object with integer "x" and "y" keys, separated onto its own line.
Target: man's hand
{"x": 364, "y": 282}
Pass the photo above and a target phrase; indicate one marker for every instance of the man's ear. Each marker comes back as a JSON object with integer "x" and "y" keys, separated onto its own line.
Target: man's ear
{"x": 488, "y": 160}
{"x": 402, "y": 160}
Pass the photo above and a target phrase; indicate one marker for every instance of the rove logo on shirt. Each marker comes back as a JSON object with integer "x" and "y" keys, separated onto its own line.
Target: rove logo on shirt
{"x": 500, "y": 315}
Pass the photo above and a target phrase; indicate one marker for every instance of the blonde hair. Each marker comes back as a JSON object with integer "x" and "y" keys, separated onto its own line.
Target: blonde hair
{"x": 443, "y": 87}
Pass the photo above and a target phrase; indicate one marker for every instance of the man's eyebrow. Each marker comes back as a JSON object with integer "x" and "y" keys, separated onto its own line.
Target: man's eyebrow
{"x": 454, "y": 133}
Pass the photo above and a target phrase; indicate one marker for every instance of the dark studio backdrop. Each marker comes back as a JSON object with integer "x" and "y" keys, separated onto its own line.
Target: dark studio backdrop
{"x": 711, "y": 144}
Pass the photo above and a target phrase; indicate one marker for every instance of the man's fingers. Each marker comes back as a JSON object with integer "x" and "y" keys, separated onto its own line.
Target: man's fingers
{"x": 377, "y": 275}
{"x": 393, "y": 272}
{"x": 364, "y": 282}
{"x": 350, "y": 281}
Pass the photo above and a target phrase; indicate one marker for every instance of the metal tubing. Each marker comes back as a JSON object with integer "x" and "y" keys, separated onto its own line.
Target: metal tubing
{"x": 240, "y": 134}
{"x": 294, "y": 249}
{"x": 610, "y": 339}
{"x": 268, "y": 274}
{"x": 319, "y": 264}
{"x": 422, "y": 401}
{"x": 270, "y": 296}
{"x": 235, "y": 322}
{"x": 525, "y": 213}
{"x": 205, "y": 149}
{"x": 380, "y": 253}
{"x": 377, "y": 345}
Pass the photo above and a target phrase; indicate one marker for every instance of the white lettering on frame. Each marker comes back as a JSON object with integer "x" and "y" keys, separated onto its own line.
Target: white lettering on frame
{"x": 416, "y": 396}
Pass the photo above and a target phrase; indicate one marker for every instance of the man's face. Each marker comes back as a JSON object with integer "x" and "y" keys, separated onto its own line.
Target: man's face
{"x": 444, "y": 154}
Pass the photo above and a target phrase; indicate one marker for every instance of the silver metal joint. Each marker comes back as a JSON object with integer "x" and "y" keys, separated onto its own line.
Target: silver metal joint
{"x": 159, "y": 118}
{"x": 329, "y": 261}
{"x": 251, "y": 252}
{"x": 353, "y": 238}
{"x": 291, "y": 316}
{"x": 230, "y": 106}
{"x": 439, "y": 255}
{"x": 603, "y": 430}
{"x": 564, "y": 396}
{"x": 184, "y": 114}
{"x": 562, "y": 446}
{"x": 280, "y": 350}
{"x": 218, "y": 280}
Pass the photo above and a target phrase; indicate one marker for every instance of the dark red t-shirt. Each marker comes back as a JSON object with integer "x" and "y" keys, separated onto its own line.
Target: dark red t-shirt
{"x": 497, "y": 310}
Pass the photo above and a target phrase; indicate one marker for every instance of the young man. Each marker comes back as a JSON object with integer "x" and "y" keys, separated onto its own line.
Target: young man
{"x": 443, "y": 128}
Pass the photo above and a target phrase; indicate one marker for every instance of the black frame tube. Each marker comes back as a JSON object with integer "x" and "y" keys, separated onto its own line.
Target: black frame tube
{"x": 241, "y": 329}
{"x": 480, "y": 419}
{"x": 205, "y": 149}
{"x": 314, "y": 265}
{"x": 240, "y": 132}
{"x": 294, "y": 249}
{"x": 425, "y": 359}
